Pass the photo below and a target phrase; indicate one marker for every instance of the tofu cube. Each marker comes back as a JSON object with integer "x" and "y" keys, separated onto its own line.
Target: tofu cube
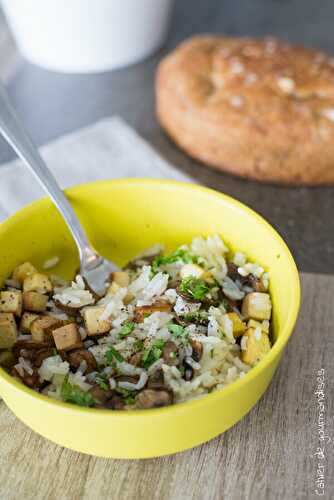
{"x": 142, "y": 312}
{"x": 22, "y": 272}
{"x": 8, "y": 330}
{"x": 41, "y": 328}
{"x": 26, "y": 321}
{"x": 256, "y": 305}
{"x": 11, "y": 302}
{"x": 95, "y": 325}
{"x": 254, "y": 345}
{"x": 239, "y": 327}
{"x": 34, "y": 301}
{"x": 37, "y": 283}
{"x": 121, "y": 278}
{"x": 67, "y": 337}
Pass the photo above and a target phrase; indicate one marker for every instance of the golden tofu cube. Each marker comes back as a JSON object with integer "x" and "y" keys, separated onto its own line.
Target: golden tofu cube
{"x": 95, "y": 325}
{"x": 67, "y": 337}
{"x": 37, "y": 283}
{"x": 239, "y": 327}
{"x": 254, "y": 345}
{"x": 8, "y": 330}
{"x": 256, "y": 305}
{"x": 34, "y": 301}
{"x": 41, "y": 328}
{"x": 121, "y": 278}
{"x": 26, "y": 321}
{"x": 22, "y": 272}
{"x": 11, "y": 302}
{"x": 7, "y": 359}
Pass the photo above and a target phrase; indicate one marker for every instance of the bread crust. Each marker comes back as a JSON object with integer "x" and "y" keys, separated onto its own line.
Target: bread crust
{"x": 261, "y": 109}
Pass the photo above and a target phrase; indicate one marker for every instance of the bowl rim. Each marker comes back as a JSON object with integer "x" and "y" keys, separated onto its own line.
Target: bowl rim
{"x": 274, "y": 352}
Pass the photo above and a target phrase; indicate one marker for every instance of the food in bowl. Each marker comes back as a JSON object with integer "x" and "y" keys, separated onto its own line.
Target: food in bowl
{"x": 169, "y": 328}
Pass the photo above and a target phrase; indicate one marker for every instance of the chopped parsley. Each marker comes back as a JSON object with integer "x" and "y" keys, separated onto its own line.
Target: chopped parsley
{"x": 152, "y": 354}
{"x": 102, "y": 380}
{"x": 138, "y": 345}
{"x": 199, "y": 317}
{"x": 177, "y": 331}
{"x": 73, "y": 394}
{"x": 126, "y": 329}
{"x": 194, "y": 287}
{"x": 179, "y": 256}
{"x": 112, "y": 354}
{"x": 128, "y": 396}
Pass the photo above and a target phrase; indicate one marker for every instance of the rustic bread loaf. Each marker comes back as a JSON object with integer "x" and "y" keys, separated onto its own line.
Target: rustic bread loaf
{"x": 262, "y": 109}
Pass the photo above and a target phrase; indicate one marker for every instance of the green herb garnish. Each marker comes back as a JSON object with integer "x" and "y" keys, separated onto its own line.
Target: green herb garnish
{"x": 153, "y": 353}
{"x": 177, "y": 331}
{"x": 179, "y": 256}
{"x": 128, "y": 396}
{"x": 112, "y": 354}
{"x": 126, "y": 329}
{"x": 199, "y": 317}
{"x": 102, "y": 381}
{"x": 138, "y": 345}
{"x": 194, "y": 287}
{"x": 73, "y": 394}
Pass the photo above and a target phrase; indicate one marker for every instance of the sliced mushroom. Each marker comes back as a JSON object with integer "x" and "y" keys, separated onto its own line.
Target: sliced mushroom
{"x": 75, "y": 358}
{"x": 41, "y": 355}
{"x": 159, "y": 306}
{"x": 256, "y": 283}
{"x": 71, "y": 311}
{"x": 156, "y": 380}
{"x": 101, "y": 395}
{"x": 170, "y": 353}
{"x": 135, "y": 359}
{"x": 197, "y": 348}
{"x": 27, "y": 346}
{"x": 188, "y": 371}
{"x": 32, "y": 380}
{"x": 232, "y": 271}
{"x": 150, "y": 398}
{"x": 127, "y": 378}
{"x": 115, "y": 403}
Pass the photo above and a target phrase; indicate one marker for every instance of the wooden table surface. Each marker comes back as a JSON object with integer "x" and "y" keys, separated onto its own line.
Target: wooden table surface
{"x": 270, "y": 454}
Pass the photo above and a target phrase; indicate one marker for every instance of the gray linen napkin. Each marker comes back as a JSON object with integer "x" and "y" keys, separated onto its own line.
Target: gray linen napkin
{"x": 105, "y": 150}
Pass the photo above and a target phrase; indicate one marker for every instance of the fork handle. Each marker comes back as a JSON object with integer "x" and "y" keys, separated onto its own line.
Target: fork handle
{"x": 15, "y": 134}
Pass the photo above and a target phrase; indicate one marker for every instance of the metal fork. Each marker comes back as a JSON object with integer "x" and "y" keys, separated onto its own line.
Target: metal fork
{"x": 95, "y": 268}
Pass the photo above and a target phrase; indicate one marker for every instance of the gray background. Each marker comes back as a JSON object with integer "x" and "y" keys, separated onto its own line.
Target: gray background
{"x": 52, "y": 104}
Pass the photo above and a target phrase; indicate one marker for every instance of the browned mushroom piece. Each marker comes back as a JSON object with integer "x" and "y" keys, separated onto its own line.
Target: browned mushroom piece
{"x": 232, "y": 271}
{"x": 174, "y": 284}
{"x": 255, "y": 283}
{"x": 75, "y": 358}
{"x": 31, "y": 381}
{"x": 154, "y": 398}
{"x": 156, "y": 380}
{"x": 27, "y": 345}
{"x": 101, "y": 395}
{"x": 142, "y": 311}
{"x": 135, "y": 359}
{"x": 71, "y": 311}
{"x": 115, "y": 403}
{"x": 188, "y": 371}
{"x": 127, "y": 378}
{"x": 170, "y": 353}
{"x": 41, "y": 355}
{"x": 197, "y": 348}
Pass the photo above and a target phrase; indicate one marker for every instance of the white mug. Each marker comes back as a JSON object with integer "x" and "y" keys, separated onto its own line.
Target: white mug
{"x": 88, "y": 35}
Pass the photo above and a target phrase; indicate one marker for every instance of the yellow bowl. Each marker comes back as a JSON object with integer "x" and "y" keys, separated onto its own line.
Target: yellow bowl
{"x": 122, "y": 218}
